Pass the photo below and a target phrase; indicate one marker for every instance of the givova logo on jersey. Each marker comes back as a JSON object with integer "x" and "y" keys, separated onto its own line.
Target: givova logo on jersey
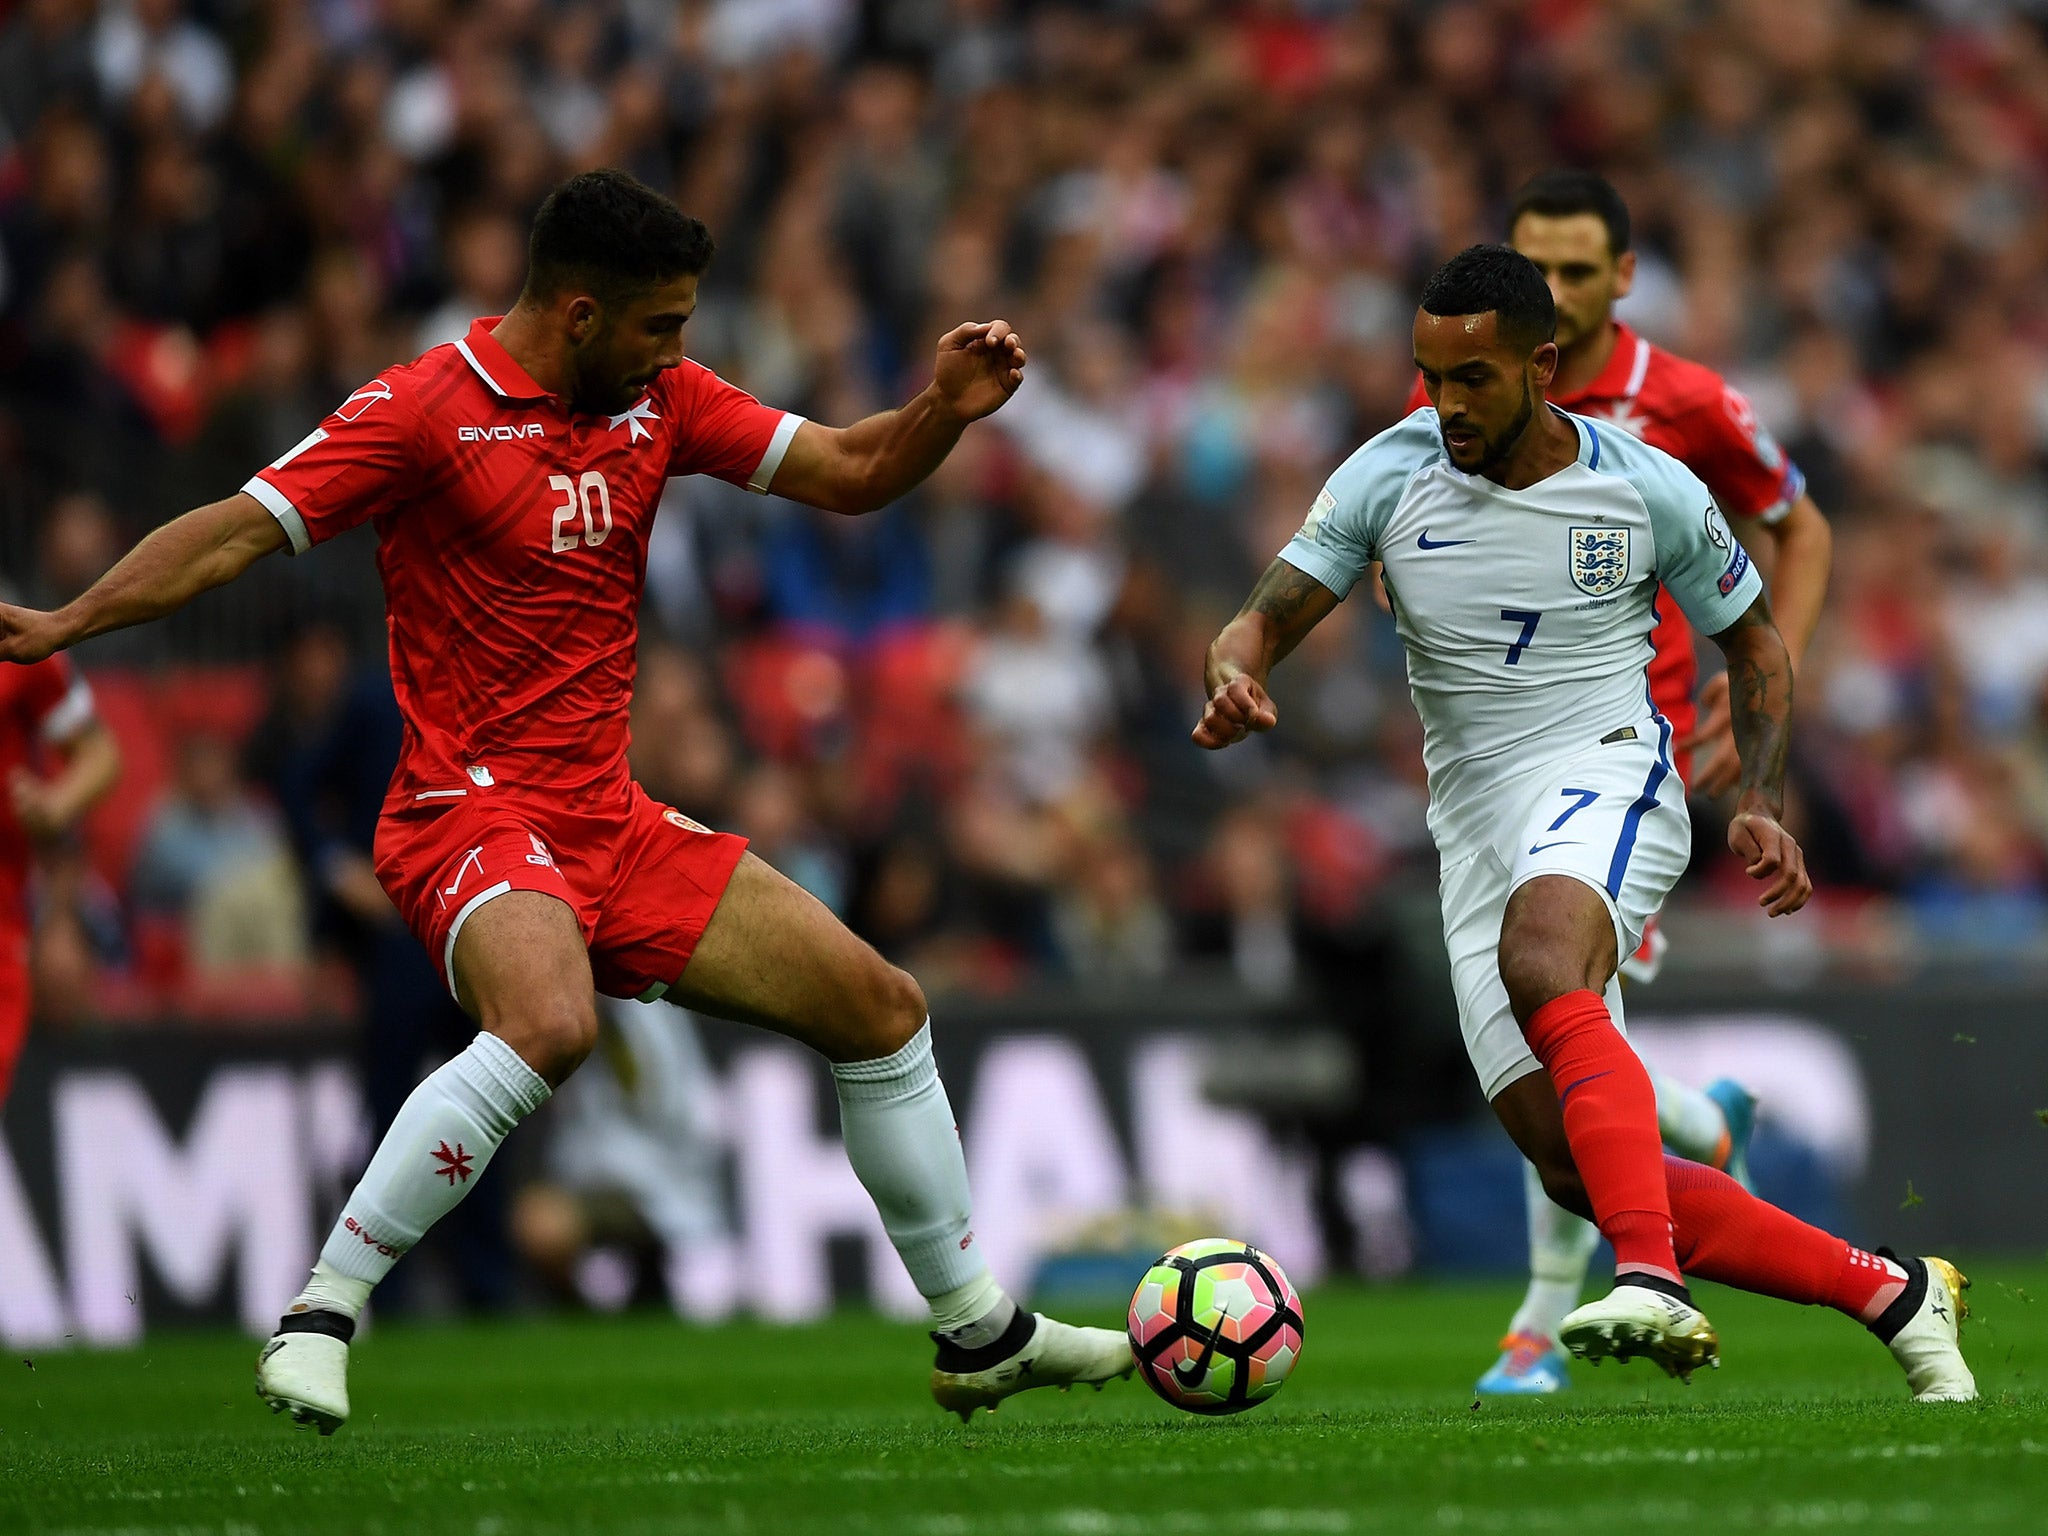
{"x": 1599, "y": 559}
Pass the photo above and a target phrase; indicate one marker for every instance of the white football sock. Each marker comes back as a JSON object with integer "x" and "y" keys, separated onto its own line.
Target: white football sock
{"x": 1560, "y": 1247}
{"x": 904, "y": 1144}
{"x": 438, "y": 1146}
{"x": 331, "y": 1291}
{"x": 1692, "y": 1124}
{"x": 974, "y": 1314}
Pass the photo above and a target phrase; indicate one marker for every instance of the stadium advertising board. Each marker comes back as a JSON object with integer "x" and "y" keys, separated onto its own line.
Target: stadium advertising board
{"x": 154, "y": 1177}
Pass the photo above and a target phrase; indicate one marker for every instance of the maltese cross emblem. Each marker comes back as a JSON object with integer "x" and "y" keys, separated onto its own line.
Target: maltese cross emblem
{"x": 454, "y": 1163}
{"x": 1623, "y": 414}
{"x": 635, "y": 420}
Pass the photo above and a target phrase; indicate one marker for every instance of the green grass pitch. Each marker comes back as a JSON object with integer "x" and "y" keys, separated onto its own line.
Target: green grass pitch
{"x": 640, "y": 1424}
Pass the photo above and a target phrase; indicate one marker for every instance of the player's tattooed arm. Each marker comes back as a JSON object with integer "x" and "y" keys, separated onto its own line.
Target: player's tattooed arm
{"x": 1285, "y": 605}
{"x": 1760, "y": 704}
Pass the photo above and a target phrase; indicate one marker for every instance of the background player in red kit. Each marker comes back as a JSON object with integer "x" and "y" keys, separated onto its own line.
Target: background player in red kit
{"x": 1575, "y": 227}
{"x": 513, "y": 477}
{"x": 56, "y": 760}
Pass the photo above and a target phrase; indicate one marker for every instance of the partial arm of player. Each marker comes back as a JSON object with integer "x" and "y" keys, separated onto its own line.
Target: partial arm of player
{"x": 1760, "y": 701}
{"x": 1285, "y": 605}
{"x": 869, "y": 464}
{"x": 47, "y": 807}
{"x": 1795, "y": 555}
{"x": 185, "y": 557}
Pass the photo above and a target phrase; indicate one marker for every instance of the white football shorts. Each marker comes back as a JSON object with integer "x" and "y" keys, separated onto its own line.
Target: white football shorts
{"x": 1613, "y": 818}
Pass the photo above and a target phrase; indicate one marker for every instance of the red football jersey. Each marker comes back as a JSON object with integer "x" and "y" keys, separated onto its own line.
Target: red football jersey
{"x": 513, "y": 547}
{"x": 1697, "y": 417}
{"x": 41, "y": 706}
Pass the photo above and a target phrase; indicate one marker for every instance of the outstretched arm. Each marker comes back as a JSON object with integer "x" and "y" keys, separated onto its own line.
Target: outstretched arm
{"x": 1285, "y": 605}
{"x": 869, "y": 464}
{"x": 174, "y": 564}
{"x": 1760, "y": 706}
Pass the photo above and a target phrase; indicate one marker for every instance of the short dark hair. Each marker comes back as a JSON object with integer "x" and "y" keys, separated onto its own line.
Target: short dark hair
{"x": 1560, "y": 194}
{"x": 607, "y": 231}
{"x": 1498, "y": 279}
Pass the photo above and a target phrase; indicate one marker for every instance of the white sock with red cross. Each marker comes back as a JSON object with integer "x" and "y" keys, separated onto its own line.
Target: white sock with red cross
{"x": 437, "y": 1147}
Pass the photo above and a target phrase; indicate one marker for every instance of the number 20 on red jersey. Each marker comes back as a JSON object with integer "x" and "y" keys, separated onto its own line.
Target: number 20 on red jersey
{"x": 590, "y": 496}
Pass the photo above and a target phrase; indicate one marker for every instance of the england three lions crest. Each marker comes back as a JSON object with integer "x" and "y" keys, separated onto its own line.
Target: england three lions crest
{"x": 1599, "y": 559}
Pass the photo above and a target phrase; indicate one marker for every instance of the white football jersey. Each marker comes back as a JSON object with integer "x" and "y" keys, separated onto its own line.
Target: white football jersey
{"x": 1526, "y": 614}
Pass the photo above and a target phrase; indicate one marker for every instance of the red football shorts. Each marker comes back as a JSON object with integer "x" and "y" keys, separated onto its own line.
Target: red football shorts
{"x": 643, "y": 880}
{"x": 13, "y": 1001}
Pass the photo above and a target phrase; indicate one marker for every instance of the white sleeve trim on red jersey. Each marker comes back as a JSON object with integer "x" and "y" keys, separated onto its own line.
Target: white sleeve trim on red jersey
{"x": 279, "y": 506}
{"x": 1778, "y": 511}
{"x": 778, "y": 446}
{"x": 70, "y": 714}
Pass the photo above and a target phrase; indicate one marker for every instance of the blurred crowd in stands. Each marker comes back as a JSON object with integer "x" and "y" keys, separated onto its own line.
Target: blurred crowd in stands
{"x": 962, "y": 722}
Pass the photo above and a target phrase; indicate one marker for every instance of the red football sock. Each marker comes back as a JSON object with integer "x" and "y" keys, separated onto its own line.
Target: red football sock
{"x": 1725, "y": 1233}
{"x": 1610, "y": 1119}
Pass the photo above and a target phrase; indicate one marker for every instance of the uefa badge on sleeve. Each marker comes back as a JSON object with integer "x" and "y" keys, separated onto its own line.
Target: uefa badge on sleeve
{"x": 1734, "y": 573}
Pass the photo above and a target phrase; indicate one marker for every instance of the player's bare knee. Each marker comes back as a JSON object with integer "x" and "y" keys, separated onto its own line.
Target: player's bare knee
{"x": 1556, "y": 937}
{"x": 905, "y": 1010}
{"x": 893, "y": 1011}
{"x": 1541, "y": 962}
{"x": 551, "y": 1035}
{"x": 1534, "y": 972}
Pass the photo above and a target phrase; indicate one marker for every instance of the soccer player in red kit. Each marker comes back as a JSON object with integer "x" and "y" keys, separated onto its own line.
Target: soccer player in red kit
{"x": 513, "y": 477}
{"x": 56, "y": 760}
{"x": 1575, "y": 227}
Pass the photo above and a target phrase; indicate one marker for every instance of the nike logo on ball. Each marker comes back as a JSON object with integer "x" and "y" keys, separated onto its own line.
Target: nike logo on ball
{"x": 1424, "y": 541}
{"x": 1187, "y": 1376}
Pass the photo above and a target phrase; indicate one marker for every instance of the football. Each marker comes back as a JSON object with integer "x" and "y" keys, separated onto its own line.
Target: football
{"x": 1215, "y": 1326}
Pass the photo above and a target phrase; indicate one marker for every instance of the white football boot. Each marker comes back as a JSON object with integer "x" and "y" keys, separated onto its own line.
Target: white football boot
{"x": 1634, "y": 1321}
{"x": 1036, "y": 1351}
{"x": 1927, "y": 1342}
{"x": 304, "y": 1368}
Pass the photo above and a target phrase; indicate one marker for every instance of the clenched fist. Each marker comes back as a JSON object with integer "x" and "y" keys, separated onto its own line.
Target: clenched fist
{"x": 26, "y": 635}
{"x": 1236, "y": 709}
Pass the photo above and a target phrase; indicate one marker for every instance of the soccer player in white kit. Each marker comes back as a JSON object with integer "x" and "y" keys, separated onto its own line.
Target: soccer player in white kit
{"x": 1522, "y": 549}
